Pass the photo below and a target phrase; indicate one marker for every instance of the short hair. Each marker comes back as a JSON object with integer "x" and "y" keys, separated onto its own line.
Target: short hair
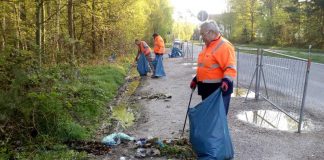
{"x": 136, "y": 40}
{"x": 155, "y": 34}
{"x": 210, "y": 26}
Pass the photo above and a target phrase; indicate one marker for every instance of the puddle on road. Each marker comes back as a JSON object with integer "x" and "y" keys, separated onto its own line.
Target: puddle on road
{"x": 241, "y": 92}
{"x": 273, "y": 120}
{"x": 123, "y": 115}
{"x": 189, "y": 64}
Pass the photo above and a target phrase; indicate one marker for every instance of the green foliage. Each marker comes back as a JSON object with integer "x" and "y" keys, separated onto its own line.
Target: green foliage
{"x": 274, "y": 22}
{"x": 121, "y": 114}
{"x": 62, "y": 102}
{"x": 160, "y": 19}
{"x": 48, "y": 152}
{"x": 183, "y": 31}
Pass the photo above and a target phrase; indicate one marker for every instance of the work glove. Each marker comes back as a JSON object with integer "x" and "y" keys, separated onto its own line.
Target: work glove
{"x": 227, "y": 86}
{"x": 193, "y": 83}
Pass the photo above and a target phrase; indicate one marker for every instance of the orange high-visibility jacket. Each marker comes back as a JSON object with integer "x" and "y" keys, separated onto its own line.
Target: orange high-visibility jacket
{"x": 216, "y": 61}
{"x": 159, "y": 45}
{"x": 144, "y": 48}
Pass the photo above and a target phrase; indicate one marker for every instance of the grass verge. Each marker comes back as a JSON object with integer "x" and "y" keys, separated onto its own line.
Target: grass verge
{"x": 51, "y": 106}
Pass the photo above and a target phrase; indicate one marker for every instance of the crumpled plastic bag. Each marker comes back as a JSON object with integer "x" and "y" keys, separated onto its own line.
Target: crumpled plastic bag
{"x": 115, "y": 138}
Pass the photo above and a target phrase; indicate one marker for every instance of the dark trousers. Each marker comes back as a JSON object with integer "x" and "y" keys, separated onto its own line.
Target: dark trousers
{"x": 204, "y": 90}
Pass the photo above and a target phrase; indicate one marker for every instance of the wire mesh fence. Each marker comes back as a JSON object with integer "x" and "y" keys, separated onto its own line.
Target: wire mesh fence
{"x": 246, "y": 63}
{"x": 278, "y": 78}
{"x": 188, "y": 50}
{"x": 191, "y": 49}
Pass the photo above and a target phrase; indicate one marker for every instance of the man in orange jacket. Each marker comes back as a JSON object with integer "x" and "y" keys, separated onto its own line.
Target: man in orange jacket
{"x": 216, "y": 64}
{"x": 144, "y": 49}
{"x": 159, "y": 50}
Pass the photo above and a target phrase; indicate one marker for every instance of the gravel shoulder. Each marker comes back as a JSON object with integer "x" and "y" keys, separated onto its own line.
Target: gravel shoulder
{"x": 165, "y": 119}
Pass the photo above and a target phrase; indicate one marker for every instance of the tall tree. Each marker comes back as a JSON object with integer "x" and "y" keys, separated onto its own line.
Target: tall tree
{"x": 39, "y": 29}
{"x": 71, "y": 30}
{"x": 93, "y": 31}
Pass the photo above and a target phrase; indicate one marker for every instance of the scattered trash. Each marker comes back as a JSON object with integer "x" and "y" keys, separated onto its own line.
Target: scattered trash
{"x": 116, "y": 138}
{"x": 172, "y": 148}
{"x": 122, "y": 158}
{"x": 160, "y": 143}
{"x": 166, "y": 97}
{"x": 140, "y": 143}
{"x": 140, "y": 153}
{"x": 144, "y": 147}
{"x": 155, "y": 152}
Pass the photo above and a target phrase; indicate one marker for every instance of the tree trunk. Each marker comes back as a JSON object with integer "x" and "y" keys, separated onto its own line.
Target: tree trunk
{"x": 38, "y": 30}
{"x": 3, "y": 29}
{"x": 93, "y": 28}
{"x": 252, "y": 12}
{"x": 57, "y": 37}
{"x": 322, "y": 28}
{"x": 23, "y": 19}
{"x": 43, "y": 27}
{"x": 17, "y": 26}
{"x": 71, "y": 30}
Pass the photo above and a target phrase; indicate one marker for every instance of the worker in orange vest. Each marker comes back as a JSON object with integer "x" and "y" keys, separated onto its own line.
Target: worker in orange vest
{"x": 216, "y": 64}
{"x": 159, "y": 50}
{"x": 145, "y": 51}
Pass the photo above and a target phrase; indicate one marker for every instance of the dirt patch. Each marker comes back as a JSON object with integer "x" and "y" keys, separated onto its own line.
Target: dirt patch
{"x": 91, "y": 147}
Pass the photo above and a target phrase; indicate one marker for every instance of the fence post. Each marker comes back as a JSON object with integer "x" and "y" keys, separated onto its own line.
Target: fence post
{"x": 237, "y": 70}
{"x": 257, "y": 77}
{"x": 192, "y": 46}
{"x": 305, "y": 90}
{"x": 187, "y": 51}
{"x": 262, "y": 74}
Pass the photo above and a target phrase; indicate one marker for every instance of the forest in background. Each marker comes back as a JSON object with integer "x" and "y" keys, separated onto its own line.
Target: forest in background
{"x": 62, "y": 61}
{"x": 274, "y": 22}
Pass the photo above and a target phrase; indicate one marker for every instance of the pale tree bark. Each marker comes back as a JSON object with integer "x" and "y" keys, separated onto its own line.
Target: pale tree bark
{"x": 3, "y": 29}
{"x": 93, "y": 28}
{"x": 38, "y": 30}
{"x": 43, "y": 28}
{"x": 17, "y": 25}
{"x": 58, "y": 31}
{"x": 71, "y": 30}
{"x": 253, "y": 14}
{"x": 322, "y": 27}
{"x": 23, "y": 18}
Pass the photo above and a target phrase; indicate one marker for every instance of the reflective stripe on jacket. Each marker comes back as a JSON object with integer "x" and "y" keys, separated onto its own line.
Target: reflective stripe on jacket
{"x": 159, "y": 45}
{"x": 216, "y": 61}
{"x": 144, "y": 48}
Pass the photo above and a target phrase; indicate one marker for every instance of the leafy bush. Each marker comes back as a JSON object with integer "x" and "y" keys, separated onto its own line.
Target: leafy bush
{"x": 63, "y": 102}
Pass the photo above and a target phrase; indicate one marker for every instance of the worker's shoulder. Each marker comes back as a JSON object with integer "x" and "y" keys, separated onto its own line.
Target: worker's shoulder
{"x": 228, "y": 44}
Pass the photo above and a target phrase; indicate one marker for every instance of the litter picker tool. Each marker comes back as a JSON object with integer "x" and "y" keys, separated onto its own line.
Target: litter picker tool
{"x": 184, "y": 125}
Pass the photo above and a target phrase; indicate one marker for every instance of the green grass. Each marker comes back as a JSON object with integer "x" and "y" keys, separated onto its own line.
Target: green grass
{"x": 56, "y": 151}
{"x": 317, "y": 55}
{"x": 62, "y": 107}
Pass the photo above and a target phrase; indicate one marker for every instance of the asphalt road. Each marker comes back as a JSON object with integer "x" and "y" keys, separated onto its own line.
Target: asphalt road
{"x": 283, "y": 76}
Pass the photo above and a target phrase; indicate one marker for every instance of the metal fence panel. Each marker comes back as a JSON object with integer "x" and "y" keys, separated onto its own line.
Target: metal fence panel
{"x": 278, "y": 78}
